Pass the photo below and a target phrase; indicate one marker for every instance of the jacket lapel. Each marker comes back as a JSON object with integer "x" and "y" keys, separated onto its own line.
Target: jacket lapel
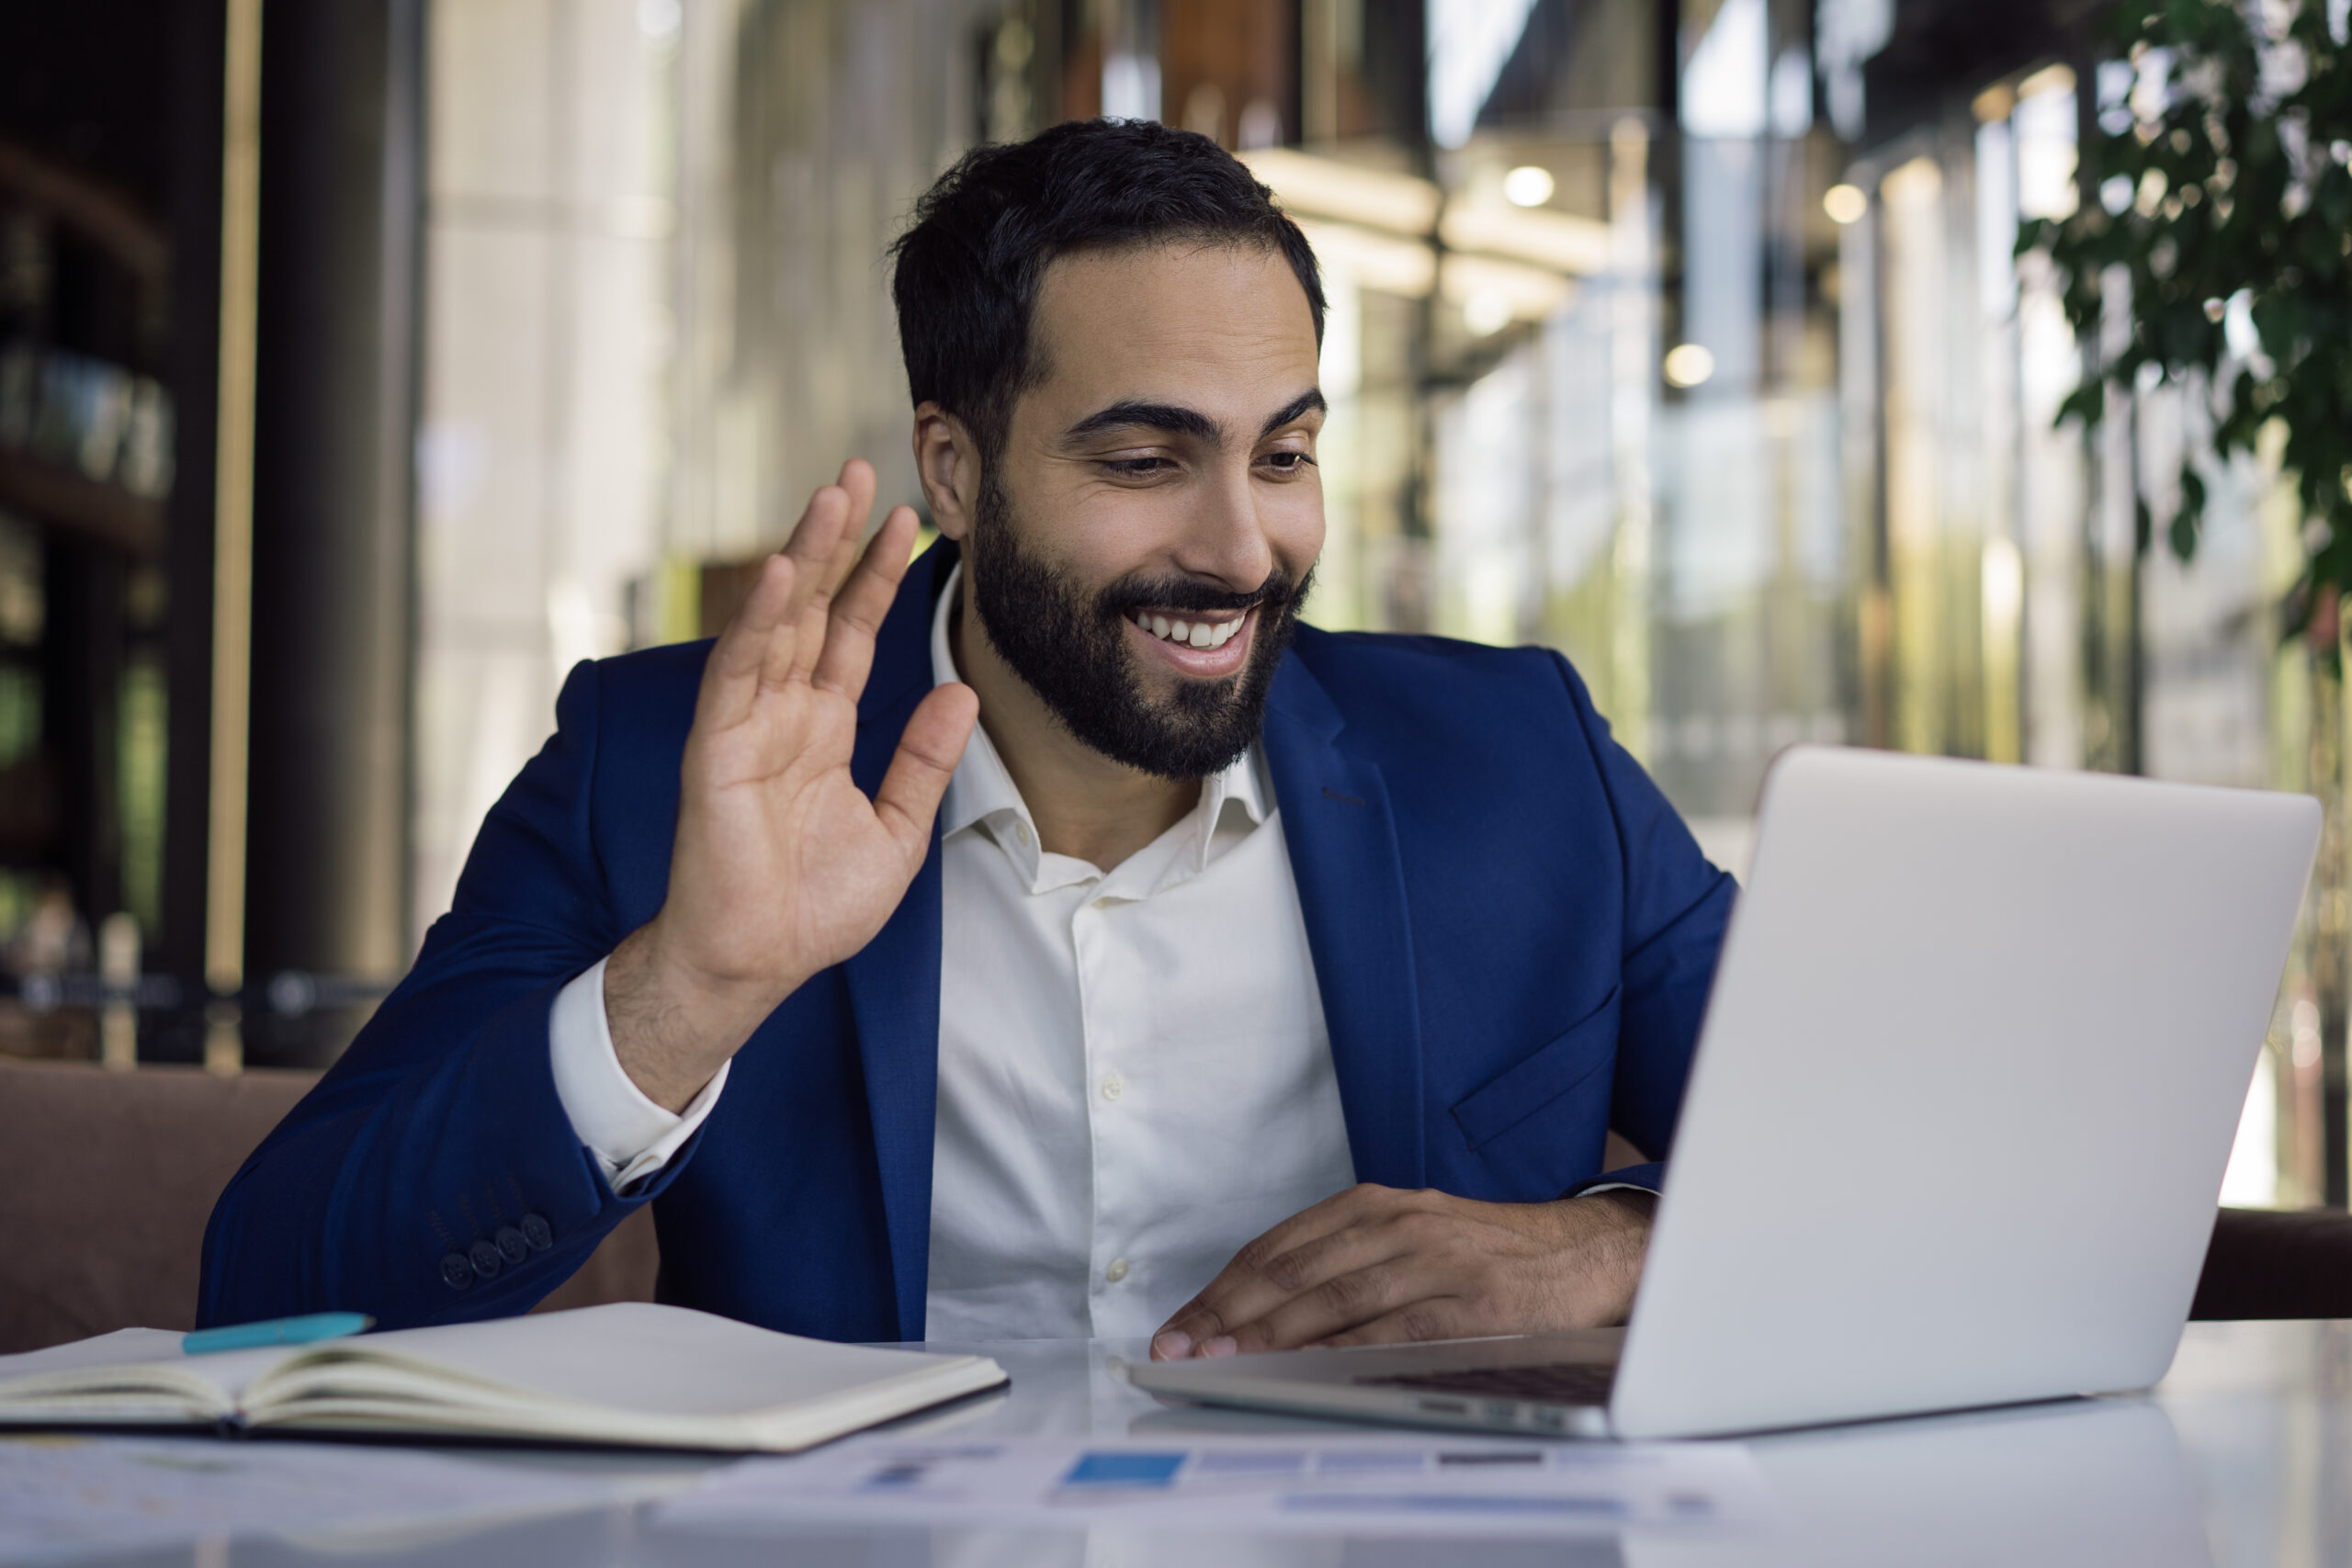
{"x": 894, "y": 979}
{"x": 1342, "y": 841}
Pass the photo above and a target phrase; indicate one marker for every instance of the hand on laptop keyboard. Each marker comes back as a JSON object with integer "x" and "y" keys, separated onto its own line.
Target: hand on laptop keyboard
{"x": 1376, "y": 1266}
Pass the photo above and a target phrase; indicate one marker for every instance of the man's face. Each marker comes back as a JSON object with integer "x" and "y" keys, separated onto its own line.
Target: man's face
{"x": 1139, "y": 552}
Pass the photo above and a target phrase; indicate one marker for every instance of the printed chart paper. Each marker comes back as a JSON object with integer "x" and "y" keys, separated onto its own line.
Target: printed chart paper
{"x": 67, "y": 1496}
{"x": 1325, "y": 1487}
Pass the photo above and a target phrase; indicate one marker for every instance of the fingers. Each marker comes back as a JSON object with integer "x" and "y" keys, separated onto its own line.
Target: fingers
{"x": 826, "y": 545}
{"x": 928, "y": 751}
{"x": 858, "y": 482}
{"x": 834, "y": 510}
{"x": 730, "y": 679}
{"x": 1364, "y": 1272}
{"x": 857, "y": 610}
{"x": 1422, "y": 1265}
{"x": 815, "y": 540}
{"x": 1435, "y": 1317}
{"x": 1219, "y": 1306}
{"x": 1266, "y": 1272}
{"x": 774, "y": 635}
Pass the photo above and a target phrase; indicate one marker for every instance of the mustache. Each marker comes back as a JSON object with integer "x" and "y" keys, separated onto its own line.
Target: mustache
{"x": 1128, "y": 595}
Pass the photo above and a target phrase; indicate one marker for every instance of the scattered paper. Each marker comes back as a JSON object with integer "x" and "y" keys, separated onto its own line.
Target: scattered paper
{"x": 63, "y": 1496}
{"x": 1339, "y": 1485}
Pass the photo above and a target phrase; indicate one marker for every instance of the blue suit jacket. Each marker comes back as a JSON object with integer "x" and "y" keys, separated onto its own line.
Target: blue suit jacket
{"x": 1513, "y": 936}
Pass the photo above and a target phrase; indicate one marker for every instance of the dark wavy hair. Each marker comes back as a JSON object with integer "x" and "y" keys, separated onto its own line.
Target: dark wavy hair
{"x": 964, "y": 276}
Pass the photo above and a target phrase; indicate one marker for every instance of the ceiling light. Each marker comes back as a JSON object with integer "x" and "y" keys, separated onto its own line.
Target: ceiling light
{"x": 1370, "y": 259}
{"x": 1486, "y": 313}
{"x": 1326, "y": 187}
{"x": 1995, "y": 103}
{"x": 1578, "y": 246}
{"x": 2048, "y": 79}
{"x": 1528, "y": 185}
{"x": 1491, "y": 293}
{"x": 1688, "y": 364}
{"x": 1845, "y": 204}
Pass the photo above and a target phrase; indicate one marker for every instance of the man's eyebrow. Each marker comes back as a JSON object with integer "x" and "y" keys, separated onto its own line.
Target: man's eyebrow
{"x": 1305, "y": 402}
{"x": 1136, "y": 415}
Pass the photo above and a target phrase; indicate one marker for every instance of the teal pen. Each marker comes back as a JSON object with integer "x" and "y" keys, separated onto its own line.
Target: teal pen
{"x": 277, "y": 1331}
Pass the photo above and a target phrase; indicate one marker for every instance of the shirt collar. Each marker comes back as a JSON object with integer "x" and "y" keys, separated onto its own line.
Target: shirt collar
{"x": 981, "y": 794}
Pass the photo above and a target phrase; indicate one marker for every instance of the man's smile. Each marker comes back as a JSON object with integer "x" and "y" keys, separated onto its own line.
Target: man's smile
{"x": 1203, "y": 645}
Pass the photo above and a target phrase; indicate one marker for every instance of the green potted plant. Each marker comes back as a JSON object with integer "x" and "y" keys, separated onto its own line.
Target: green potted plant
{"x": 2220, "y": 187}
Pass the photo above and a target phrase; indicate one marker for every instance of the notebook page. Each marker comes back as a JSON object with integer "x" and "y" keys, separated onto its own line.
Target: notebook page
{"x": 122, "y": 1346}
{"x": 126, "y": 1365}
{"x": 629, "y": 1356}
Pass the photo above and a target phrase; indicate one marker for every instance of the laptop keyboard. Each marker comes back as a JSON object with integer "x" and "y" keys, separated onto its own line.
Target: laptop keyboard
{"x": 1556, "y": 1383}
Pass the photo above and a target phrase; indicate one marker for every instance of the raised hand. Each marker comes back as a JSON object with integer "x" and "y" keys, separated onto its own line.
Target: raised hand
{"x": 781, "y": 866}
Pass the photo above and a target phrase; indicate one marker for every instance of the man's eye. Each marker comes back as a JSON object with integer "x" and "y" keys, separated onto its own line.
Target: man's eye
{"x": 1136, "y": 467}
{"x": 1289, "y": 462}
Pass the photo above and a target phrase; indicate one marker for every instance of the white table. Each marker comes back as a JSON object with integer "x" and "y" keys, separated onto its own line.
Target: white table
{"x": 2242, "y": 1457}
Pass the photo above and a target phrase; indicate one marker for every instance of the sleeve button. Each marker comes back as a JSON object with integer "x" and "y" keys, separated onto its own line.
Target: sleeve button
{"x": 456, "y": 1272}
{"x": 511, "y": 1244}
{"x": 486, "y": 1259}
{"x": 537, "y": 1233}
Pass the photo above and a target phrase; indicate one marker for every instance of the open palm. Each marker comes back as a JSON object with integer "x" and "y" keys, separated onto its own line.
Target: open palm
{"x": 782, "y": 866}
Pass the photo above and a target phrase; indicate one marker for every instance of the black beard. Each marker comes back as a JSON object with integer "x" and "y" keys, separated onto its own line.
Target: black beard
{"x": 1073, "y": 652}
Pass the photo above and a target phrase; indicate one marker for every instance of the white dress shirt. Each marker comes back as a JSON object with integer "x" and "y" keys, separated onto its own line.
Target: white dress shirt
{"x": 1135, "y": 1078}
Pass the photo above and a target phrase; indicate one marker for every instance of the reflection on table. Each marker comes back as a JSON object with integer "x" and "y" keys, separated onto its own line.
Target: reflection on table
{"x": 2238, "y": 1459}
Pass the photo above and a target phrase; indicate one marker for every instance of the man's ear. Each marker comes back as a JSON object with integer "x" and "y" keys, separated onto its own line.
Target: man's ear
{"x": 947, "y": 462}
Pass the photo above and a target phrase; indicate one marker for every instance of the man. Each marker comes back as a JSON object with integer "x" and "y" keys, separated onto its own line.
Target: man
{"x": 1233, "y": 980}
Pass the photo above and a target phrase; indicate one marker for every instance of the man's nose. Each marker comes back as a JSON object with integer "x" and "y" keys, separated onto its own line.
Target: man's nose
{"x": 1226, "y": 539}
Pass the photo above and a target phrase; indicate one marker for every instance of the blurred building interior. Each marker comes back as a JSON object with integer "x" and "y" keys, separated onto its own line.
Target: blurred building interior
{"x": 366, "y": 364}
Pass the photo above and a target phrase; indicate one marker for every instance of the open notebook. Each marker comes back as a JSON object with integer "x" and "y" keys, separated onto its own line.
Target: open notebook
{"x": 629, "y": 1373}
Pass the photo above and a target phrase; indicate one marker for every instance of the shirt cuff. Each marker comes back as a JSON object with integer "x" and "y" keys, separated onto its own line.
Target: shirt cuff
{"x": 630, "y": 1136}
{"x": 1648, "y": 1178}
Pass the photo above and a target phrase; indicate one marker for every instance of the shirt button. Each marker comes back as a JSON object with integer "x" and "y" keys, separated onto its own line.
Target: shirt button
{"x": 1114, "y": 1086}
{"x": 1020, "y": 831}
{"x": 1118, "y": 1271}
{"x": 1102, "y": 903}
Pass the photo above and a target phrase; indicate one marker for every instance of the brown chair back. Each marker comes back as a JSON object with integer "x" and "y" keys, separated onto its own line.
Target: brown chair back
{"x": 106, "y": 1180}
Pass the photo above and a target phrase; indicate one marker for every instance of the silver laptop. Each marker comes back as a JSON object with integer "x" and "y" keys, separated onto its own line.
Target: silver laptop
{"x": 1954, "y": 1136}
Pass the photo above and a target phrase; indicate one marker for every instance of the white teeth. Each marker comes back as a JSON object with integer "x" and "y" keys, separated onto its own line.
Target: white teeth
{"x": 1192, "y": 633}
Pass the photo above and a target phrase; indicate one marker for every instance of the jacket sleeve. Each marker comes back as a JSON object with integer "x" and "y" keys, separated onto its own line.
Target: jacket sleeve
{"x": 433, "y": 1176}
{"x": 1677, "y": 906}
